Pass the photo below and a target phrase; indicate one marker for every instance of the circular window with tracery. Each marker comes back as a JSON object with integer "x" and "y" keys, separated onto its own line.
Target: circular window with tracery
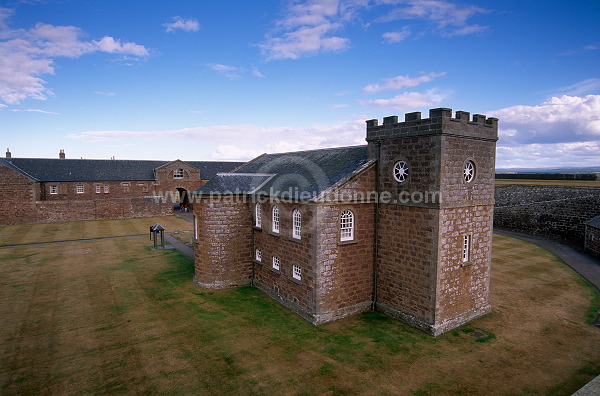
{"x": 401, "y": 171}
{"x": 469, "y": 171}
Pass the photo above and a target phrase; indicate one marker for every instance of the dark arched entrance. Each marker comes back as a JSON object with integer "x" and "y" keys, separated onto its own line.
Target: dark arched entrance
{"x": 184, "y": 199}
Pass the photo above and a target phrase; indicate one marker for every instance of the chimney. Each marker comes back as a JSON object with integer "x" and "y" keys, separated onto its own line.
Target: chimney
{"x": 61, "y": 155}
{"x": 8, "y": 154}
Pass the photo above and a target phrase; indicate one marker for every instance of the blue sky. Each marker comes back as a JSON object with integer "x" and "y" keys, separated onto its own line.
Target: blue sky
{"x": 229, "y": 80}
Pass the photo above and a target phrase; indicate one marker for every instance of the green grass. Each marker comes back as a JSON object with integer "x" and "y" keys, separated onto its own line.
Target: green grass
{"x": 114, "y": 317}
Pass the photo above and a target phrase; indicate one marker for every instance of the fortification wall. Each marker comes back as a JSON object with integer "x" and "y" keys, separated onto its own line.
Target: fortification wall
{"x": 557, "y": 212}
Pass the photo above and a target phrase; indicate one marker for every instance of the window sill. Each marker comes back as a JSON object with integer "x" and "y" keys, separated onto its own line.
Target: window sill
{"x": 274, "y": 233}
{"x": 296, "y": 281}
{"x": 292, "y": 239}
{"x": 352, "y": 242}
{"x": 255, "y": 228}
{"x": 278, "y": 272}
{"x": 466, "y": 264}
{"x": 255, "y": 261}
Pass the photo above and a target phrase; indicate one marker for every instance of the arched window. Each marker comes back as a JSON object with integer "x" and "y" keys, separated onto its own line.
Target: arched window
{"x": 257, "y": 215}
{"x": 347, "y": 226}
{"x": 275, "y": 219}
{"x": 297, "y": 222}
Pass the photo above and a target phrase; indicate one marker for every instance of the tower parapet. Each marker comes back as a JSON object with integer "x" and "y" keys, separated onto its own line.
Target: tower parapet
{"x": 440, "y": 122}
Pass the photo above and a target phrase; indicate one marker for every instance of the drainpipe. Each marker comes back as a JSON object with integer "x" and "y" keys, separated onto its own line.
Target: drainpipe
{"x": 376, "y": 248}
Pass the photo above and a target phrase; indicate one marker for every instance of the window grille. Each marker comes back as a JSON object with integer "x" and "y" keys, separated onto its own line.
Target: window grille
{"x": 347, "y": 226}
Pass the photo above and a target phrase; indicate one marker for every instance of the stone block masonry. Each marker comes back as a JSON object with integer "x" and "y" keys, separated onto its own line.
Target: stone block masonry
{"x": 553, "y": 211}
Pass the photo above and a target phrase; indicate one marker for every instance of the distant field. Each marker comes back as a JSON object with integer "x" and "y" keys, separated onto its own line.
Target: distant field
{"x": 113, "y": 317}
{"x": 565, "y": 183}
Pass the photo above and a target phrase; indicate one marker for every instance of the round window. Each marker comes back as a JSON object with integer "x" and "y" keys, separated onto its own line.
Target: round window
{"x": 469, "y": 171}
{"x": 401, "y": 171}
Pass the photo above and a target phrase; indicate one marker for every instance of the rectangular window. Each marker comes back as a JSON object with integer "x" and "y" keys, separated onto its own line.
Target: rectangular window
{"x": 195, "y": 227}
{"x": 98, "y": 188}
{"x": 178, "y": 174}
{"x": 53, "y": 190}
{"x": 297, "y": 272}
{"x": 276, "y": 263}
{"x": 466, "y": 256}
{"x": 125, "y": 187}
{"x": 106, "y": 189}
{"x": 258, "y": 255}
{"x": 79, "y": 189}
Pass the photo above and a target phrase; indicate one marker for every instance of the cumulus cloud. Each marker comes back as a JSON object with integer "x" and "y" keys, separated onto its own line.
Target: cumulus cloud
{"x": 28, "y": 54}
{"x": 311, "y": 27}
{"x": 401, "y": 82}
{"x": 563, "y": 131}
{"x": 185, "y": 24}
{"x": 407, "y": 101}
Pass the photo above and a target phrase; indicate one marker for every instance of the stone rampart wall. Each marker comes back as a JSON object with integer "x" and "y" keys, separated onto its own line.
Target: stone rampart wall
{"x": 552, "y": 211}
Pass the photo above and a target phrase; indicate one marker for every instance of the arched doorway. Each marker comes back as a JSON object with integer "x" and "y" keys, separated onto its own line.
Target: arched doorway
{"x": 184, "y": 200}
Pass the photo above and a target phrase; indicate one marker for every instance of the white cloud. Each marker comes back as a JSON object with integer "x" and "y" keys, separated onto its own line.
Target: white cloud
{"x": 450, "y": 19}
{"x": 28, "y": 54}
{"x": 562, "y": 131}
{"x": 407, "y": 101}
{"x": 338, "y": 106}
{"x": 583, "y": 87}
{"x": 234, "y": 72}
{"x": 396, "y": 37}
{"x": 400, "y": 82}
{"x": 105, "y": 93}
{"x": 185, "y": 24}
{"x": 36, "y": 111}
{"x": 249, "y": 139}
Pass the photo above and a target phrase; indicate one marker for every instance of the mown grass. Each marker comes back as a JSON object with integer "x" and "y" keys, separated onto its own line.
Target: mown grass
{"x": 79, "y": 230}
{"x": 114, "y": 317}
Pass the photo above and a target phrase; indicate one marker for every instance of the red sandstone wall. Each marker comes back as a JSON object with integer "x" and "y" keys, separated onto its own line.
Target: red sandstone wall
{"x": 345, "y": 269}
{"x": 224, "y": 247}
{"x": 299, "y": 296}
{"x": 17, "y": 197}
{"x": 407, "y": 262}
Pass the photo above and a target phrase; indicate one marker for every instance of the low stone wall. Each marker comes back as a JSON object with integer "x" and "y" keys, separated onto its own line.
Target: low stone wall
{"x": 553, "y": 211}
{"x": 99, "y": 209}
{"x": 549, "y": 176}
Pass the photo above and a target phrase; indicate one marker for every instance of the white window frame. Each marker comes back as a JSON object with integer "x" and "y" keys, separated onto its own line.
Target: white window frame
{"x": 258, "y": 255}
{"x": 296, "y": 272}
{"x": 275, "y": 219}
{"x": 54, "y": 189}
{"x": 106, "y": 190}
{"x": 469, "y": 171}
{"x": 347, "y": 226}
{"x": 178, "y": 173}
{"x": 276, "y": 263}
{"x": 79, "y": 189}
{"x": 401, "y": 171}
{"x": 195, "y": 227}
{"x": 257, "y": 215}
{"x": 467, "y": 245}
{"x": 98, "y": 188}
{"x": 297, "y": 224}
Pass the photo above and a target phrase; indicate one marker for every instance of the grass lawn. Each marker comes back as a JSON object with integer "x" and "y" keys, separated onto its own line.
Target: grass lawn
{"x": 111, "y": 316}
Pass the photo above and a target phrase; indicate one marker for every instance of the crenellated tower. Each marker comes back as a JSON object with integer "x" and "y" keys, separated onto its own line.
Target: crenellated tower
{"x": 436, "y": 190}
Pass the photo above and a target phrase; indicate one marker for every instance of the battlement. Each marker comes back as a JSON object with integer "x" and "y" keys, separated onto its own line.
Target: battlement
{"x": 440, "y": 122}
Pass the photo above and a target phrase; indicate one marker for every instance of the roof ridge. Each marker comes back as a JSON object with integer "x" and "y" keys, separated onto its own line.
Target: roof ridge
{"x": 321, "y": 149}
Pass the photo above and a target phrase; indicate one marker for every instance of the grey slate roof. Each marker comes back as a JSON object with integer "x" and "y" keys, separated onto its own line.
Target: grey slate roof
{"x": 302, "y": 174}
{"x": 70, "y": 170}
{"x": 595, "y": 222}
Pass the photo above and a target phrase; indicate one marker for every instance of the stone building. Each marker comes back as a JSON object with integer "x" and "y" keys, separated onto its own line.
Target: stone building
{"x": 402, "y": 225}
{"x": 36, "y": 190}
{"x": 592, "y": 236}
